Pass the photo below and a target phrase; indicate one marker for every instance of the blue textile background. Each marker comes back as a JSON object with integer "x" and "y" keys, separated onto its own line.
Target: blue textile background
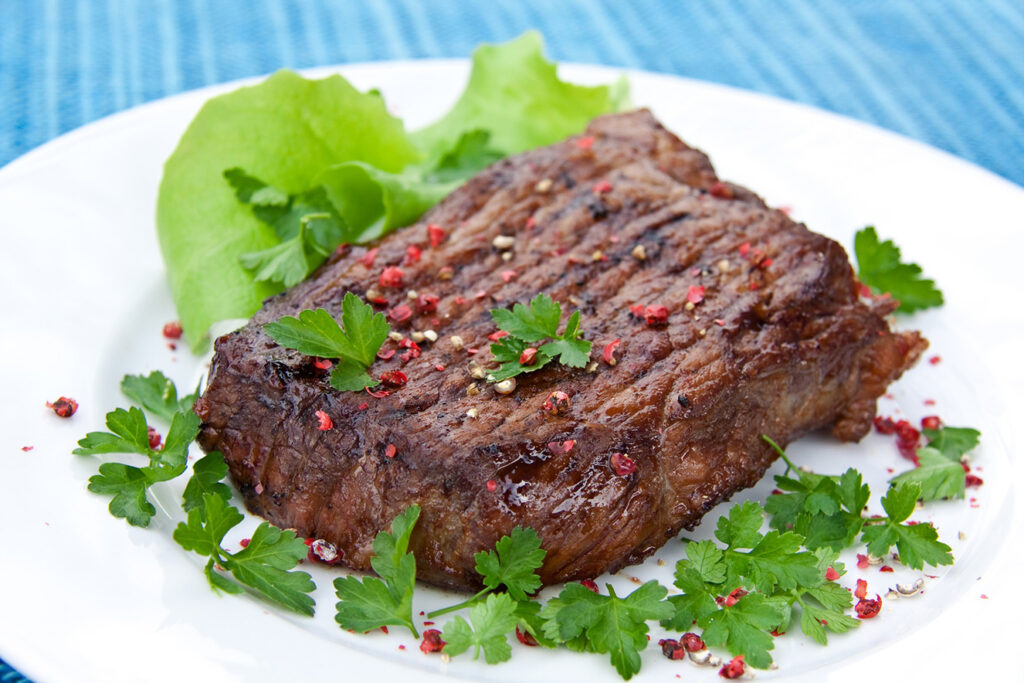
{"x": 947, "y": 72}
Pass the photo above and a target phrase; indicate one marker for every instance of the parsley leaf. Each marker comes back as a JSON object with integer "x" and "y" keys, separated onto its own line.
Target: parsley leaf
{"x": 939, "y": 471}
{"x": 157, "y": 395}
{"x": 317, "y": 333}
{"x": 880, "y": 268}
{"x": 707, "y": 560}
{"x": 507, "y": 351}
{"x": 743, "y": 627}
{"x": 128, "y": 486}
{"x": 825, "y": 510}
{"x": 307, "y": 224}
{"x": 742, "y": 527}
{"x": 530, "y": 323}
{"x": 174, "y": 454}
{"x": 937, "y": 475}
{"x": 853, "y": 492}
{"x": 126, "y": 483}
{"x": 513, "y": 563}
{"x": 570, "y": 349}
{"x": 530, "y": 621}
{"x": 128, "y": 434}
{"x": 829, "y": 531}
{"x": 207, "y": 473}
{"x": 953, "y": 442}
{"x": 700, "y": 577}
{"x": 917, "y": 543}
{"x": 696, "y": 602}
{"x": 262, "y": 565}
{"x": 204, "y": 529}
{"x": 609, "y": 624}
{"x": 491, "y": 621}
{"x": 776, "y": 560}
{"x": 824, "y": 606}
{"x": 827, "y": 611}
{"x": 371, "y": 602}
{"x": 527, "y": 325}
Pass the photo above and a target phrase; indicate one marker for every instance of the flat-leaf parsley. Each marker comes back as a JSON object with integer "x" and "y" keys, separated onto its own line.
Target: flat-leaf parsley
{"x": 526, "y": 327}
{"x": 354, "y": 343}
{"x": 880, "y": 268}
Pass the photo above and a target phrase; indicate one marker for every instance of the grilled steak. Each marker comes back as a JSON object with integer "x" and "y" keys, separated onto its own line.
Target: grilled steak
{"x": 780, "y": 344}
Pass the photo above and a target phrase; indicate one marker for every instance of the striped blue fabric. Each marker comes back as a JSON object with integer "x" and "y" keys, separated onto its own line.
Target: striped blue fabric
{"x": 947, "y": 72}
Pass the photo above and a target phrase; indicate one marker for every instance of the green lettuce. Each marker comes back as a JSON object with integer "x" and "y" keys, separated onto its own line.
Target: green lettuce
{"x": 285, "y": 131}
{"x": 267, "y": 180}
{"x": 514, "y": 94}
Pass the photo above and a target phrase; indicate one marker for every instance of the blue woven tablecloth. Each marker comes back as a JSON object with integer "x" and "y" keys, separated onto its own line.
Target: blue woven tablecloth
{"x": 947, "y": 72}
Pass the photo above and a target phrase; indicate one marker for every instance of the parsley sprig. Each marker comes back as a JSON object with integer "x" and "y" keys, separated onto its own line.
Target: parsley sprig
{"x": 940, "y": 473}
{"x": 371, "y": 602}
{"x": 128, "y": 484}
{"x": 354, "y": 343}
{"x": 773, "y": 567}
{"x": 307, "y": 224}
{"x": 823, "y": 607}
{"x": 157, "y": 395}
{"x": 825, "y": 510}
{"x": 263, "y": 565}
{"x": 607, "y": 624}
{"x": 880, "y": 268}
{"x": 828, "y": 512}
{"x": 491, "y": 622}
{"x": 512, "y": 564}
{"x": 917, "y": 544}
{"x": 529, "y": 325}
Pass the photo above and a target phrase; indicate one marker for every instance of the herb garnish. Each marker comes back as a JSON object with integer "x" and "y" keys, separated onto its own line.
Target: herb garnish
{"x": 262, "y": 565}
{"x": 355, "y": 345}
{"x": 940, "y": 472}
{"x": 825, "y": 510}
{"x": 512, "y": 564}
{"x": 740, "y": 593}
{"x": 157, "y": 395}
{"x": 491, "y": 622}
{"x": 829, "y": 512}
{"x": 526, "y": 326}
{"x": 918, "y": 544}
{"x": 369, "y": 603}
{"x": 879, "y": 267}
{"x": 607, "y": 624}
{"x": 307, "y": 224}
{"x": 128, "y": 484}
{"x": 773, "y": 567}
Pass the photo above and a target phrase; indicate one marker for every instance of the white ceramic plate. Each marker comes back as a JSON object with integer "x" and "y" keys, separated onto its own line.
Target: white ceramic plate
{"x": 85, "y": 597}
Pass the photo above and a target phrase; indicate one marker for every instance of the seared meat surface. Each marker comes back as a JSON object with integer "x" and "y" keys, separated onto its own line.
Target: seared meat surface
{"x": 780, "y": 344}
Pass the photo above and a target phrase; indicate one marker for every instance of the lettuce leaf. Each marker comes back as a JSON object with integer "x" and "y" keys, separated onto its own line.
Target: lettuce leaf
{"x": 514, "y": 94}
{"x": 288, "y": 142}
{"x": 285, "y": 131}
